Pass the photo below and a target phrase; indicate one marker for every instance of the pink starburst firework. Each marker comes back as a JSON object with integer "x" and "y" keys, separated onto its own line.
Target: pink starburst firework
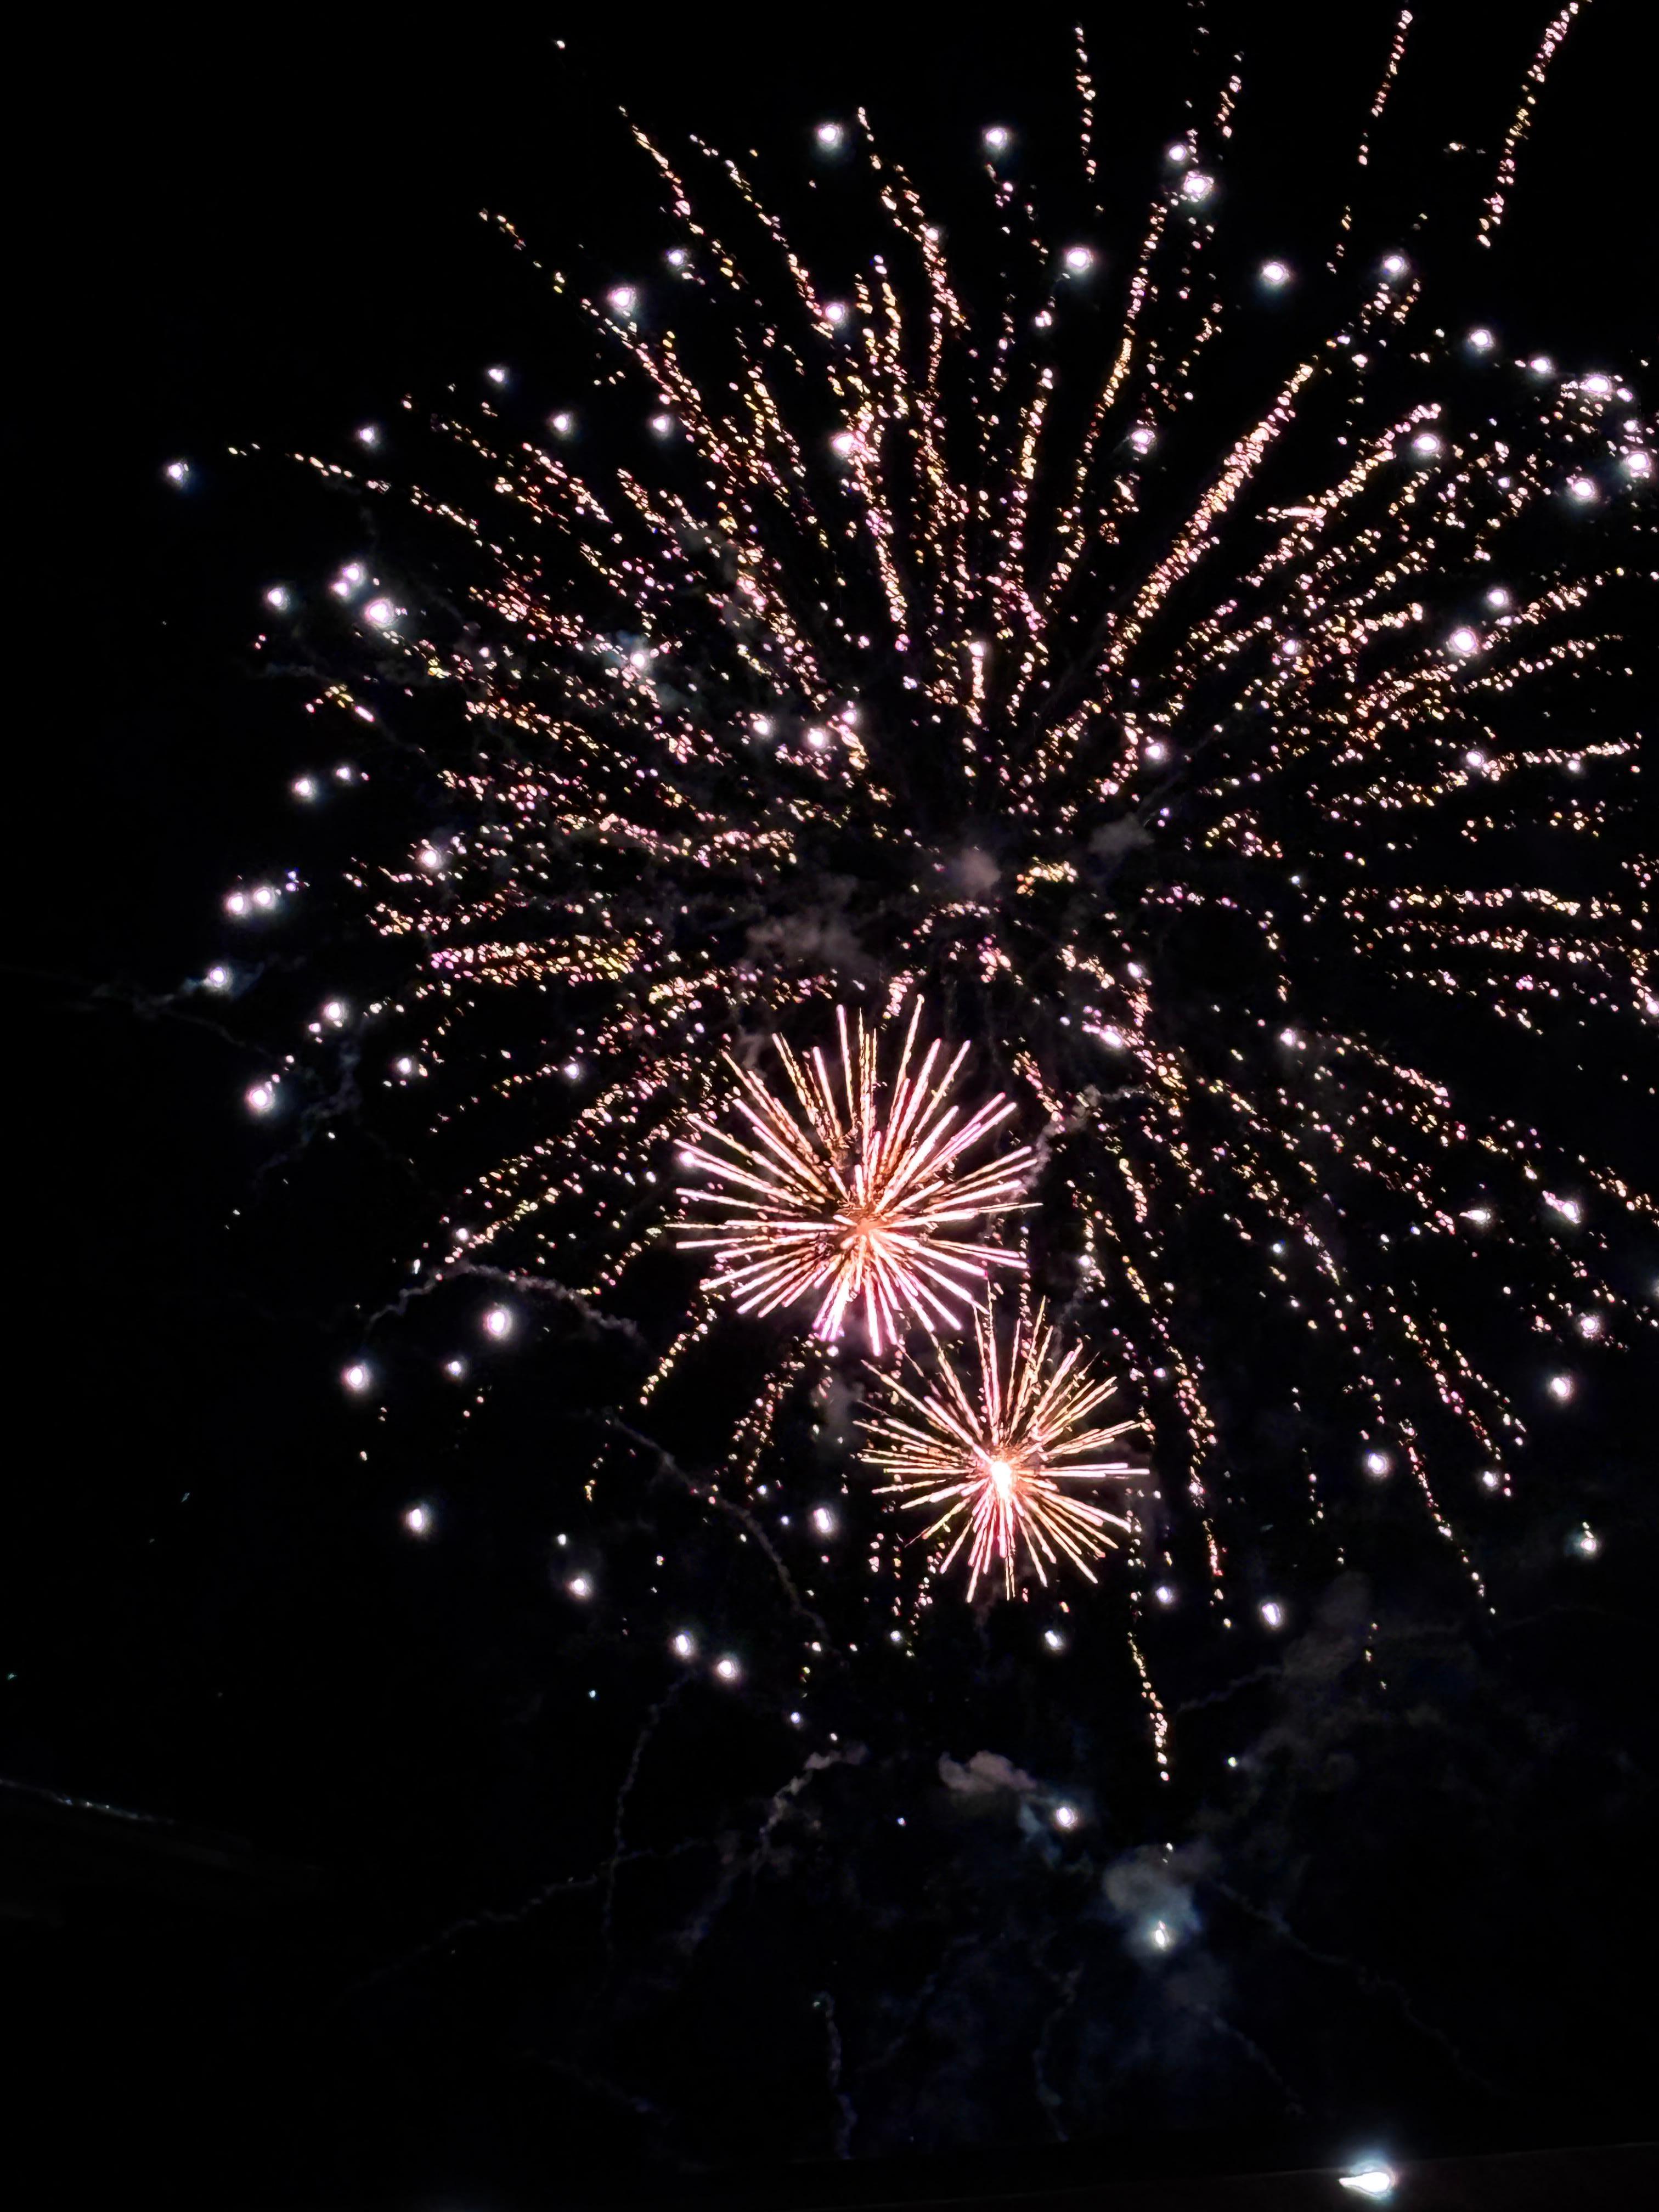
{"x": 993, "y": 1451}
{"x": 859, "y": 1195}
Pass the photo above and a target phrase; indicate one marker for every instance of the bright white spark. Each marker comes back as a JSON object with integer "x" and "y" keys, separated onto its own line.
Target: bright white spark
{"x": 1376, "y": 2182}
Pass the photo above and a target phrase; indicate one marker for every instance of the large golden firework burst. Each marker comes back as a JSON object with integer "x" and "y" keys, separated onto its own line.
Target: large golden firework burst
{"x": 994, "y": 1450}
{"x": 861, "y": 1196}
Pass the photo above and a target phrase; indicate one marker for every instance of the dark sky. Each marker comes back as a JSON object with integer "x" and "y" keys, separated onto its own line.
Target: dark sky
{"x": 351, "y": 1743}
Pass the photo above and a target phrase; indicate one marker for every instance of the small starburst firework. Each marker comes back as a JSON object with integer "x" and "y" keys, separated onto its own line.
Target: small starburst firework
{"x": 859, "y": 1194}
{"x": 994, "y": 1452}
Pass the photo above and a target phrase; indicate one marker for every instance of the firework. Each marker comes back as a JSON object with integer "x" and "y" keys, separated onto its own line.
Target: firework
{"x": 859, "y": 1194}
{"x": 1246, "y": 783}
{"x": 996, "y": 1451}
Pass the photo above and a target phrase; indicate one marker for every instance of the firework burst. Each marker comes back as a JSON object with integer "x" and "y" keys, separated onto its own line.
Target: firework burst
{"x": 996, "y": 1451}
{"x": 1237, "y": 747}
{"x": 859, "y": 1194}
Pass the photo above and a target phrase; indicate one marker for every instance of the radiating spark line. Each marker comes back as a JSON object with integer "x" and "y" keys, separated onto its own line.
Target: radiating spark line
{"x": 1492, "y": 214}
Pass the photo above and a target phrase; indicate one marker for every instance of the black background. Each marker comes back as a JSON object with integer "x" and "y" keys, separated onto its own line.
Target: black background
{"x": 267, "y": 231}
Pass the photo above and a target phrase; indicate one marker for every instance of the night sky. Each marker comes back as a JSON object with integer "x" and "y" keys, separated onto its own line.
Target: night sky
{"x": 370, "y": 1923}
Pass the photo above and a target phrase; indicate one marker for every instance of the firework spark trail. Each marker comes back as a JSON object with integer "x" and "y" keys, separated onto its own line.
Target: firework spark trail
{"x": 709, "y": 1493}
{"x": 1252, "y": 2050}
{"x": 1067, "y": 1985}
{"x": 1493, "y": 213}
{"x": 879, "y": 671}
{"x": 846, "y": 2110}
{"x": 994, "y": 1453}
{"x": 648, "y": 1728}
{"x": 1363, "y": 153}
{"x": 1367, "y": 1978}
{"x": 491, "y": 1919}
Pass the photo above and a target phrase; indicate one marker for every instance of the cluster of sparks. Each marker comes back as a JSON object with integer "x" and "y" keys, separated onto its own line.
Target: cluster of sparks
{"x": 995, "y": 1452}
{"x": 860, "y": 662}
{"x": 857, "y": 1196}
